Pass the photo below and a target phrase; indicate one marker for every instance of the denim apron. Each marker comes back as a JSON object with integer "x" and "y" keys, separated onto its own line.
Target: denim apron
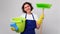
{"x": 30, "y": 26}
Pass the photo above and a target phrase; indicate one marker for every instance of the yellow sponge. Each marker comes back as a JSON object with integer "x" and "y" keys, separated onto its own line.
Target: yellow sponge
{"x": 12, "y": 28}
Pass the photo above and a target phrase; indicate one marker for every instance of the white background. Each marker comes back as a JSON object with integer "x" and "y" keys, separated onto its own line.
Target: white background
{"x": 12, "y": 8}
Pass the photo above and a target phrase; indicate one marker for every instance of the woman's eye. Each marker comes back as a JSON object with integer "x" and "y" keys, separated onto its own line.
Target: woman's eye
{"x": 27, "y": 6}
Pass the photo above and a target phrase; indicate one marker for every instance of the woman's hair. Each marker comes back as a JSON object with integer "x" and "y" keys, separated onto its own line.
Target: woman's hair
{"x": 25, "y": 4}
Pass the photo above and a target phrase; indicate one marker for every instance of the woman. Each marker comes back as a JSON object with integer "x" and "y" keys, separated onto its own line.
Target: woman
{"x": 31, "y": 19}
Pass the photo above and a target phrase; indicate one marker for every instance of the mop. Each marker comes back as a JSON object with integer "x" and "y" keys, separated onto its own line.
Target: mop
{"x": 43, "y": 6}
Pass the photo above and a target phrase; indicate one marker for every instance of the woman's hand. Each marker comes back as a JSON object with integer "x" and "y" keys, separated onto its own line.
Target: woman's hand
{"x": 38, "y": 25}
{"x": 40, "y": 20}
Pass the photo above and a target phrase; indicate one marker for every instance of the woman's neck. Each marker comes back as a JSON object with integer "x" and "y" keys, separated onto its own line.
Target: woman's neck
{"x": 29, "y": 13}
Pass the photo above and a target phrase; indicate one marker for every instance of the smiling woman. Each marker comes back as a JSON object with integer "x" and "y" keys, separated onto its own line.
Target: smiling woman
{"x": 30, "y": 19}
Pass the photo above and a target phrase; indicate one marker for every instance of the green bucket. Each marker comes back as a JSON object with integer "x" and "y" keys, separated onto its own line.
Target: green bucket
{"x": 20, "y": 22}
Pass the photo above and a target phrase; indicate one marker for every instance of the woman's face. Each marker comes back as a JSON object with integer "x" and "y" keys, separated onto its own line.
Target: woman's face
{"x": 27, "y": 8}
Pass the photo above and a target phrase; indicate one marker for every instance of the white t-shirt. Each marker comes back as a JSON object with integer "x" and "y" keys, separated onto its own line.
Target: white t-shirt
{"x": 30, "y": 17}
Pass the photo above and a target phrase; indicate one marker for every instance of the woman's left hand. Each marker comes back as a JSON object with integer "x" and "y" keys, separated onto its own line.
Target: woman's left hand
{"x": 38, "y": 25}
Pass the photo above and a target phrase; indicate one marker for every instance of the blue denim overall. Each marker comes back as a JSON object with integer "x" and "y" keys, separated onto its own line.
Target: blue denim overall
{"x": 30, "y": 26}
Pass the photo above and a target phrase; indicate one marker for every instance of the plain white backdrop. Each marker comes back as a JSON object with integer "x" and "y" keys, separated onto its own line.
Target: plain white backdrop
{"x": 12, "y": 8}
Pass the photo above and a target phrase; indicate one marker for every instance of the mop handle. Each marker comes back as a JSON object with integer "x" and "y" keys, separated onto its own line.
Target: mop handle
{"x": 41, "y": 24}
{"x": 43, "y": 10}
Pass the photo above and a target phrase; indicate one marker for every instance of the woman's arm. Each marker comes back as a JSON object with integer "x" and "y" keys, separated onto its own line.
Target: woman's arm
{"x": 38, "y": 25}
{"x": 40, "y": 20}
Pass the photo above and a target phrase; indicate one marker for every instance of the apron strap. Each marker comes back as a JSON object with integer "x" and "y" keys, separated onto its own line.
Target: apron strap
{"x": 25, "y": 15}
{"x": 32, "y": 16}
